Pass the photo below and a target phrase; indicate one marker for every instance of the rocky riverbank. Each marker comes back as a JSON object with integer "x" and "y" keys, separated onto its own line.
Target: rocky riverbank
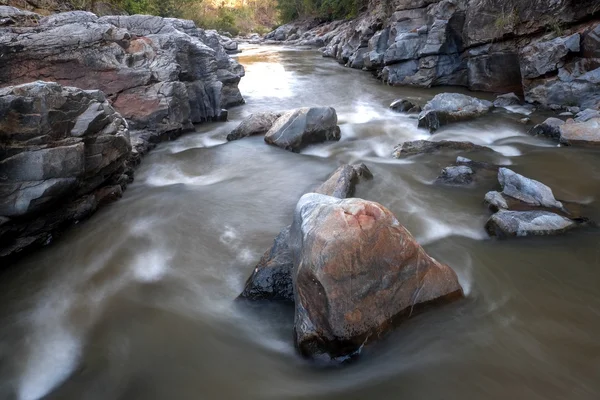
{"x": 548, "y": 52}
{"x": 112, "y": 88}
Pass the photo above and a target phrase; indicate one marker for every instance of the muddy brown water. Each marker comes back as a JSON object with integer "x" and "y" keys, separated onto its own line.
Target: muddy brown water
{"x": 137, "y": 302}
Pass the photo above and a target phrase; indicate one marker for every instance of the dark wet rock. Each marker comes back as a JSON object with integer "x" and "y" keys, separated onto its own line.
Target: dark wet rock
{"x": 466, "y": 171}
{"x": 507, "y": 100}
{"x": 60, "y": 145}
{"x": 272, "y": 276}
{"x": 446, "y": 108}
{"x": 405, "y": 106}
{"x": 528, "y": 223}
{"x": 581, "y": 133}
{"x": 549, "y": 128}
{"x": 427, "y": 147}
{"x": 357, "y": 271}
{"x": 542, "y": 57}
{"x": 456, "y": 175}
{"x": 299, "y": 128}
{"x": 254, "y": 124}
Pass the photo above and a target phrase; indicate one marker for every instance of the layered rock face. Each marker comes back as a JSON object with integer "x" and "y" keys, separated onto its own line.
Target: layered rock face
{"x": 64, "y": 152}
{"x": 161, "y": 74}
{"x": 356, "y": 270}
{"x": 546, "y": 50}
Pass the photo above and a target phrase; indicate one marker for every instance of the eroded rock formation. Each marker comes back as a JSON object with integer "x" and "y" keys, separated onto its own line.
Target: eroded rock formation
{"x": 547, "y": 50}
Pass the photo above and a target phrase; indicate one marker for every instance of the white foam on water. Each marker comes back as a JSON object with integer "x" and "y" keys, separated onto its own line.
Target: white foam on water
{"x": 52, "y": 356}
{"x": 436, "y": 229}
{"x": 166, "y": 176}
{"x": 151, "y": 266}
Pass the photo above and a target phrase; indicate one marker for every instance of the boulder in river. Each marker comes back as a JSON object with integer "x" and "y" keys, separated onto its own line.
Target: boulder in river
{"x": 428, "y": 146}
{"x": 357, "y": 271}
{"x": 254, "y": 124}
{"x": 446, "y": 108}
{"x": 528, "y": 223}
{"x": 456, "y": 175}
{"x": 581, "y": 133}
{"x": 405, "y": 106}
{"x": 61, "y": 147}
{"x": 272, "y": 276}
{"x": 530, "y": 192}
{"x": 507, "y": 100}
{"x": 296, "y": 129}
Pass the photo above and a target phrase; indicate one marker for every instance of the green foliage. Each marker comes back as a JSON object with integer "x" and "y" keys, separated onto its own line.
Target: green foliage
{"x": 507, "y": 19}
{"x": 290, "y": 10}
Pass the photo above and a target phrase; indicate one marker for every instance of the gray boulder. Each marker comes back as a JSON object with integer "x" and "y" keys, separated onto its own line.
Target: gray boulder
{"x": 528, "y": 191}
{"x": 427, "y": 147}
{"x": 299, "y": 128}
{"x": 272, "y": 276}
{"x": 581, "y": 133}
{"x": 254, "y": 124}
{"x": 587, "y": 114}
{"x": 507, "y": 100}
{"x": 446, "y": 108}
{"x": 528, "y": 223}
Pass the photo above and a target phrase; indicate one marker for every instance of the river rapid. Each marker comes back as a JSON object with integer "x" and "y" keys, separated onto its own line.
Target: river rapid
{"x": 138, "y": 301}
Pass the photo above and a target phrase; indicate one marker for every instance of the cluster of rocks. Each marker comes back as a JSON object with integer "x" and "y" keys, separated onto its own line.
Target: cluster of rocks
{"x": 350, "y": 268}
{"x": 548, "y": 51}
{"x": 584, "y": 130}
{"x": 89, "y": 97}
{"x": 526, "y": 207}
{"x": 291, "y": 130}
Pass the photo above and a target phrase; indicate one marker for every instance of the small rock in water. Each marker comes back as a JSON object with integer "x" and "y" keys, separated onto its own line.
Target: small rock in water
{"x": 254, "y": 124}
{"x": 427, "y": 146}
{"x": 549, "y": 128}
{"x": 405, "y": 106}
{"x": 456, "y": 175}
{"x": 299, "y": 128}
{"x": 527, "y": 190}
{"x": 446, "y": 108}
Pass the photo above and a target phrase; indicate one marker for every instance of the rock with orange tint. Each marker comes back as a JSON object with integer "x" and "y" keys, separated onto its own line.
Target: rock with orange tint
{"x": 357, "y": 271}
{"x": 271, "y": 279}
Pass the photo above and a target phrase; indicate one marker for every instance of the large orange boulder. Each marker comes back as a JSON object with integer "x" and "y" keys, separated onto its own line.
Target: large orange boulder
{"x": 357, "y": 271}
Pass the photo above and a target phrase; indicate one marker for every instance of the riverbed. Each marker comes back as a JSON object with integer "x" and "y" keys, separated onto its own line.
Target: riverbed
{"x": 138, "y": 302}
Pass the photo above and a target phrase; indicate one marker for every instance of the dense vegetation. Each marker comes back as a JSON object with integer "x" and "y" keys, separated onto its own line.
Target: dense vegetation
{"x": 236, "y": 16}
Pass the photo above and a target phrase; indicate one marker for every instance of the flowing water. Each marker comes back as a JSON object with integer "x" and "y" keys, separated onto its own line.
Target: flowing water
{"x": 138, "y": 302}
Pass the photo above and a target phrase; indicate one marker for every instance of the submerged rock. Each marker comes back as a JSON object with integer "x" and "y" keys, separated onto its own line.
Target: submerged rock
{"x": 272, "y": 276}
{"x": 405, "y": 106}
{"x": 61, "y": 147}
{"x": 528, "y": 223}
{"x": 456, "y": 175}
{"x": 254, "y": 124}
{"x": 446, "y": 108}
{"x": 299, "y": 128}
{"x": 356, "y": 271}
{"x": 427, "y": 146}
